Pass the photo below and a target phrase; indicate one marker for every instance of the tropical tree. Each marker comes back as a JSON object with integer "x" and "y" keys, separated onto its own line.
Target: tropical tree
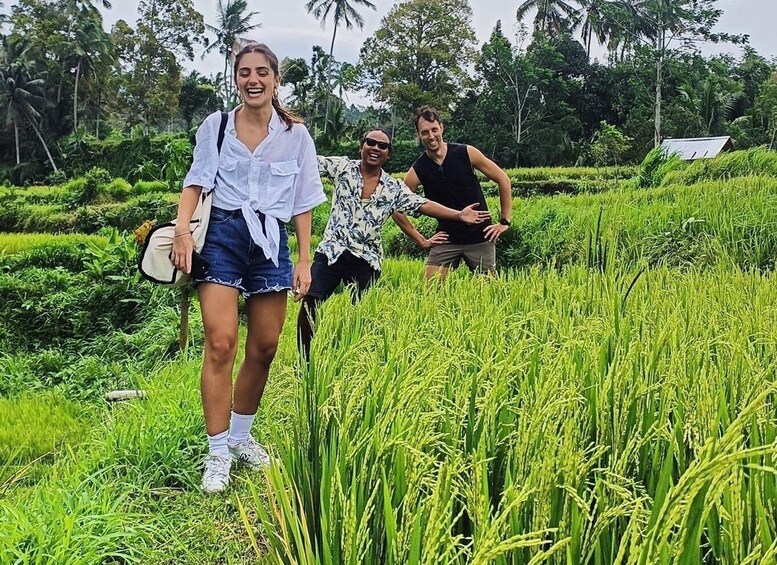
{"x": 710, "y": 105}
{"x": 669, "y": 26}
{"x": 419, "y": 55}
{"x": 595, "y": 21}
{"x": 233, "y": 22}
{"x": 296, "y": 73}
{"x": 553, "y": 16}
{"x": 23, "y": 97}
{"x": 343, "y": 12}
{"x": 90, "y": 50}
{"x": 199, "y": 96}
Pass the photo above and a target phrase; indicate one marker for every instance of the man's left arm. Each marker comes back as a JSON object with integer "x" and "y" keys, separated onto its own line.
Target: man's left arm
{"x": 492, "y": 171}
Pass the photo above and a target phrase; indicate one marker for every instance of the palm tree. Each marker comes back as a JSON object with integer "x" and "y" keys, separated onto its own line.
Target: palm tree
{"x": 233, "y": 21}
{"x": 78, "y": 12}
{"x": 91, "y": 48}
{"x": 710, "y": 105}
{"x": 552, "y": 15}
{"x": 22, "y": 95}
{"x": 343, "y": 12}
{"x": 595, "y": 21}
{"x": 296, "y": 73}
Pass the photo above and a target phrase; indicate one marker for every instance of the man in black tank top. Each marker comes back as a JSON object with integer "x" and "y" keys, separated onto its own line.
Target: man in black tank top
{"x": 447, "y": 173}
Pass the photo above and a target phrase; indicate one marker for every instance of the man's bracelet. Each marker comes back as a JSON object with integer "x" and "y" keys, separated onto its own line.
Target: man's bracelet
{"x": 182, "y": 234}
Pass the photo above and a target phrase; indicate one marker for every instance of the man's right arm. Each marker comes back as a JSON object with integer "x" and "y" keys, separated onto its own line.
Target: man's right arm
{"x": 407, "y": 227}
{"x": 330, "y": 166}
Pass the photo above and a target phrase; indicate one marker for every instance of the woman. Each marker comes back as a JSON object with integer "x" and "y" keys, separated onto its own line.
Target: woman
{"x": 265, "y": 174}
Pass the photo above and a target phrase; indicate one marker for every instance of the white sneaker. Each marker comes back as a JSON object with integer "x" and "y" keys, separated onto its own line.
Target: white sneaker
{"x": 249, "y": 453}
{"x": 215, "y": 478}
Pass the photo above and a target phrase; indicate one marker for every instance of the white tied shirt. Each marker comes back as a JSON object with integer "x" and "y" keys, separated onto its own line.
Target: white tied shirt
{"x": 279, "y": 178}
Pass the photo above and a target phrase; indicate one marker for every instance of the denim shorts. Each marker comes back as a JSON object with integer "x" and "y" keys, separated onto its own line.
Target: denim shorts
{"x": 236, "y": 261}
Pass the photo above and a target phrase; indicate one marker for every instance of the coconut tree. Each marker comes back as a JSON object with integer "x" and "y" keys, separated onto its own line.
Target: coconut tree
{"x": 233, "y": 22}
{"x": 552, "y": 15}
{"x": 22, "y": 94}
{"x": 91, "y": 49}
{"x": 296, "y": 73}
{"x": 595, "y": 21}
{"x": 343, "y": 12}
{"x": 78, "y": 12}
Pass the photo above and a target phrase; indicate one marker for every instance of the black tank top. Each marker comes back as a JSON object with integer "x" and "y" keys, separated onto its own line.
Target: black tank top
{"x": 453, "y": 184}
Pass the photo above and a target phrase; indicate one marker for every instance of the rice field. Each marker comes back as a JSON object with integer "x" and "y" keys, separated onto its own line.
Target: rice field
{"x": 611, "y": 401}
{"x": 549, "y": 417}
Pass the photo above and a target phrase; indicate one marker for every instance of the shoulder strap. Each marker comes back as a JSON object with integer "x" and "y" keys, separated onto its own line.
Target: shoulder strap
{"x": 222, "y": 129}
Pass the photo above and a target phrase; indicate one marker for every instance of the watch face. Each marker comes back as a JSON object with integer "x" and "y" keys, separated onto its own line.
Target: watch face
{"x": 504, "y": 222}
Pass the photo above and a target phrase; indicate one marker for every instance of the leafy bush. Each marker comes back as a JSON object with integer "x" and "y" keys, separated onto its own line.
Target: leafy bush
{"x": 149, "y": 186}
{"x": 118, "y": 190}
{"x": 86, "y": 192}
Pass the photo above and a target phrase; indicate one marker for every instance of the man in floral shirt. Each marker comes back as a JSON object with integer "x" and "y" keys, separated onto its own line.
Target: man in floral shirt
{"x": 364, "y": 197}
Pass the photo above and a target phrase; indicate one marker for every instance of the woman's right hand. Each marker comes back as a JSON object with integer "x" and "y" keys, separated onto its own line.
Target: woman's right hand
{"x": 183, "y": 245}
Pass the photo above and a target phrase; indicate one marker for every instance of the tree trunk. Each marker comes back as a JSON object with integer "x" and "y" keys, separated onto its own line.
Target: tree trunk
{"x": 329, "y": 78}
{"x": 659, "y": 78}
{"x": 16, "y": 138}
{"x": 97, "y": 124}
{"x": 75, "y": 97}
{"x": 43, "y": 142}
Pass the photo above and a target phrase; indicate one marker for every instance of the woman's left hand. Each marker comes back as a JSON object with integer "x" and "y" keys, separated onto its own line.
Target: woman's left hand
{"x": 300, "y": 282}
{"x": 471, "y": 216}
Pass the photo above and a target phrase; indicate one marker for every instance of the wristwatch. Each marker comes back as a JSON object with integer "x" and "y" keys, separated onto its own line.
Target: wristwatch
{"x": 504, "y": 222}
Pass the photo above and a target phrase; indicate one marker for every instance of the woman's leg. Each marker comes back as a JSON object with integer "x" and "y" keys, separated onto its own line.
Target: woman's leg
{"x": 219, "y": 317}
{"x": 266, "y": 314}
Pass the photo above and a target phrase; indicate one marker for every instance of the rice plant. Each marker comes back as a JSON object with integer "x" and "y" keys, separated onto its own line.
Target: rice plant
{"x": 560, "y": 417}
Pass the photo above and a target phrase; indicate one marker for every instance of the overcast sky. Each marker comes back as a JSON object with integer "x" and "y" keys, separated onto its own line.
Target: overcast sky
{"x": 291, "y": 32}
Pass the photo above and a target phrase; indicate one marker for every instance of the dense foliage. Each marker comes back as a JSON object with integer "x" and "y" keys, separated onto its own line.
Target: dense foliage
{"x": 77, "y": 96}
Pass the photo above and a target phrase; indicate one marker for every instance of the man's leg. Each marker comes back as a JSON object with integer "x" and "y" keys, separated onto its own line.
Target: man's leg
{"x": 360, "y": 274}
{"x": 480, "y": 257}
{"x": 441, "y": 259}
{"x": 325, "y": 279}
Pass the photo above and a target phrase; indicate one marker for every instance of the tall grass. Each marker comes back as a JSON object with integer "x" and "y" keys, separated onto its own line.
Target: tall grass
{"x": 568, "y": 417}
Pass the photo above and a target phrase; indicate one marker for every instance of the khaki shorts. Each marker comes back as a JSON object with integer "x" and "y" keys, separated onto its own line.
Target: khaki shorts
{"x": 480, "y": 257}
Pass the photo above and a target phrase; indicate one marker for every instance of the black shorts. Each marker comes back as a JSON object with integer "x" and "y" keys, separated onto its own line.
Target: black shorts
{"x": 348, "y": 269}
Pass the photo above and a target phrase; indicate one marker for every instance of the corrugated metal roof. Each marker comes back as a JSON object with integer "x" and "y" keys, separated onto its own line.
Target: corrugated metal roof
{"x": 697, "y": 147}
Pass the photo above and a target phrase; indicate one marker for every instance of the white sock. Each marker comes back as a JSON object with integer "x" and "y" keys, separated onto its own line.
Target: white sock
{"x": 240, "y": 427}
{"x": 218, "y": 444}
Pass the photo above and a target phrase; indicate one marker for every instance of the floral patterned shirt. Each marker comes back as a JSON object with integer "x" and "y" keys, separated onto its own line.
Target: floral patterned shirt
{"x": 355, "y": 223}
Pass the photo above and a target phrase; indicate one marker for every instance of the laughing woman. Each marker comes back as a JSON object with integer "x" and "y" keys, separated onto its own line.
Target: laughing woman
{"x": 264, "y": 175}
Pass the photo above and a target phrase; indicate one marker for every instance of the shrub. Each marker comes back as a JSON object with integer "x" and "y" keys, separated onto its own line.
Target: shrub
{"x": 146, "y": 187}
{"x": 86, "y": 192}
{"x": 118, "y": 190}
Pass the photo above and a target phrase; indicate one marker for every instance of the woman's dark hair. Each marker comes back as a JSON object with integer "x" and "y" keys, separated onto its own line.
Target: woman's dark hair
{"x": 428, "y": 113}
{"x": 288, "y": 117}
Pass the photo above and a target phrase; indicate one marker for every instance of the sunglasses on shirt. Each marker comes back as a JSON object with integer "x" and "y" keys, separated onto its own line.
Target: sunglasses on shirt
{"x": 373, "y": 142}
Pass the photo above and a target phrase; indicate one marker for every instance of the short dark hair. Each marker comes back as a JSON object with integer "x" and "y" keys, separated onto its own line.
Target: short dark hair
{"x": 428, "y": 113}
{"x": 364, "y": 137}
